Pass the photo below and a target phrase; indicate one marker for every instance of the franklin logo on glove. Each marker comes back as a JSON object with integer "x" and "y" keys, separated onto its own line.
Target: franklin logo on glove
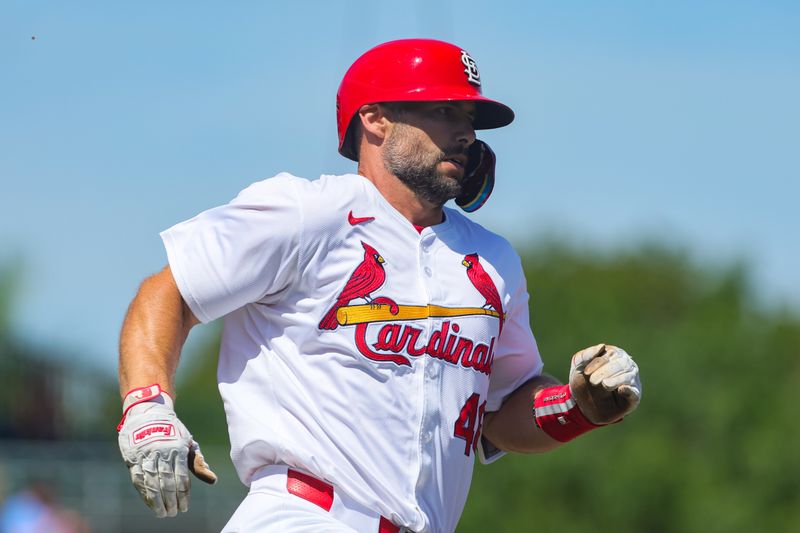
{"x": 152, "y": 432}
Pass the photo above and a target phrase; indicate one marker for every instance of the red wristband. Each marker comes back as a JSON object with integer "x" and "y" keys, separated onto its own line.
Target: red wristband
{"x": 557, "y": 414}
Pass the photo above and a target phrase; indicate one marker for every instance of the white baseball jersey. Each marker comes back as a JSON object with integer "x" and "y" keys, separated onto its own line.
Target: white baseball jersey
{"x": 355, "y": 347}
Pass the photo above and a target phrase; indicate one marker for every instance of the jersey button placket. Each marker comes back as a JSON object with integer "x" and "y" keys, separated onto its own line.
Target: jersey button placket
{"x": 429, "y": 417}
{"x": 432, "y": 371}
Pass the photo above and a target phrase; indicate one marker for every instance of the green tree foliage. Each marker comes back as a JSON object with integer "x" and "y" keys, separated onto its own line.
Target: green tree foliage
{"x": 43, "y": 397}
{"x": 711, "y": 448}
{"x": 198, "y": 403}
{"x": 9, "y": 279}
{"x": 199, "y": 406}
{"x": 27, "y": 398}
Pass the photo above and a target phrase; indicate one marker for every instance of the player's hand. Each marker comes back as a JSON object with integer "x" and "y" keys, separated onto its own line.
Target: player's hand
{"x": 604, "y": 380}
{"x": 160, "y": 453}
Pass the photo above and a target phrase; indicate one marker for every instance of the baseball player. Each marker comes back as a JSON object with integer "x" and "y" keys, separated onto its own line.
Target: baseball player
{"x": 375, "y": 342}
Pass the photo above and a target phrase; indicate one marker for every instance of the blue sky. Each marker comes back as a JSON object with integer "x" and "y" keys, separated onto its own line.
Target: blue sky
{"x": 679, "y": 120}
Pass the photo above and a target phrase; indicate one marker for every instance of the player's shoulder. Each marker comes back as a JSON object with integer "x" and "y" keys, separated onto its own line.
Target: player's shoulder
{"x": 486, "y": 243}
{"x": 478, "y": 235}
{"x": 329, "y": 188}
{"x": 318, "y": 204}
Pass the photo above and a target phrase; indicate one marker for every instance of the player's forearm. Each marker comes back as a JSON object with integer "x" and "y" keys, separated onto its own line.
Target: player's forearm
{"x": 155, "y": 328}
{"x": 512, "y": 427}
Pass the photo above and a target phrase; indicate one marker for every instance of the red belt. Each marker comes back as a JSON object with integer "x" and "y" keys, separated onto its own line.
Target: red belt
{"x": 320, "y": 493}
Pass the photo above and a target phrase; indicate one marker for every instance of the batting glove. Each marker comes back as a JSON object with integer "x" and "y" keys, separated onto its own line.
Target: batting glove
{"x": 604, "y": 380}
{"x": 603, "y": 387}
{"x": 159, "y": 451}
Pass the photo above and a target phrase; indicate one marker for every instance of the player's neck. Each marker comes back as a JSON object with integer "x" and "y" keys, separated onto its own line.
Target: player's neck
{"x": 415, "y": 209}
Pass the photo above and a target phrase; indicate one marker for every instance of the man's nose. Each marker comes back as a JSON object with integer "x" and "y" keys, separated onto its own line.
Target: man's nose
{"x": 465, "y": 133}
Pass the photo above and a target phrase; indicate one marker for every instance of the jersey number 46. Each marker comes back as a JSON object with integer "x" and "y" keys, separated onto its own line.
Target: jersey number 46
{"x": 469, "y": 423}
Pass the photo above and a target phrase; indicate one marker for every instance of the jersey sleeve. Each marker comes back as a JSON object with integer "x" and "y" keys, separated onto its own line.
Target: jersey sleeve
{"x": 517, "y": 360}
{"x": 238, "y": 253}
{"x": 517, "y": 356}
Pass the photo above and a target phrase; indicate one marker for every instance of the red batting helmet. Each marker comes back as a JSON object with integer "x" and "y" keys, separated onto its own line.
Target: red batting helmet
{"x": 411, "y": 70}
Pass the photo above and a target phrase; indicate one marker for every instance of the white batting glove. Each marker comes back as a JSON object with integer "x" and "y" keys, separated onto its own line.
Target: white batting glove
{"x": 159, "y": 451}
{"x": 604, "y": 380}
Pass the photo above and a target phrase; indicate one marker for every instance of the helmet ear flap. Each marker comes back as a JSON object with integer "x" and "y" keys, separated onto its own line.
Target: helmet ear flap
{"x": 350, "y": 146}
{"x": 478, "y": 177}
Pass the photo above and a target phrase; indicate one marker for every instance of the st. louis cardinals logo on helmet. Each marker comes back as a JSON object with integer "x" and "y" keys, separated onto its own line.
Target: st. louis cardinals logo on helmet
{"x": 471, "y": 69}
{"x": 398, "y": 339}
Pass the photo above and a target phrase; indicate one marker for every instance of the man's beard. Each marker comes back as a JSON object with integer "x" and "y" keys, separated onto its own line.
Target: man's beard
{"x": 404, "y": 157}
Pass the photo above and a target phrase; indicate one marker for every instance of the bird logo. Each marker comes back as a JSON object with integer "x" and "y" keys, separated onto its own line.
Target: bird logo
{"x": 483, "y": 282}
{"x": 365, "y": 279}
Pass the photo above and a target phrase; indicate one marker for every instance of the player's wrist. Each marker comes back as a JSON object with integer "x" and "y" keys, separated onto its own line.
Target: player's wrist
{"x": 149, "y": 393}
{"x": 142, "y": 395}
{"x": 556, "y": 412}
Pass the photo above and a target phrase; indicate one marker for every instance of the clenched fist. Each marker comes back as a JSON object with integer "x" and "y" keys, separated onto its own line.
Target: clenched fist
{"x": 604, "y": 381}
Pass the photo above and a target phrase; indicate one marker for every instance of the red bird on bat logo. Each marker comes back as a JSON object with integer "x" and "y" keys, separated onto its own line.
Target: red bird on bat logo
{"x": 365, "y": 279}
{"x": 481, "y": 280}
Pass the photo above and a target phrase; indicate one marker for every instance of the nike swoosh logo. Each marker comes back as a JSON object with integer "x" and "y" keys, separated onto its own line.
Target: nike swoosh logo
{"x": 357, "y": 220}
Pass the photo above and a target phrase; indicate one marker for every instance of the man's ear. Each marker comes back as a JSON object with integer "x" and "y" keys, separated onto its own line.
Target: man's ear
{"x": 374, "y": 121}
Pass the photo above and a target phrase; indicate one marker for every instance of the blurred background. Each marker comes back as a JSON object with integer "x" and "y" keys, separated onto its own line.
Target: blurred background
{"x": 650, "y": 183}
